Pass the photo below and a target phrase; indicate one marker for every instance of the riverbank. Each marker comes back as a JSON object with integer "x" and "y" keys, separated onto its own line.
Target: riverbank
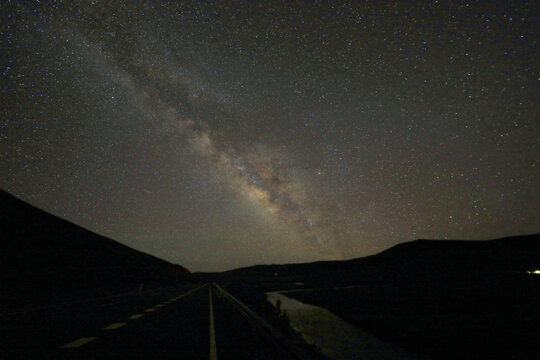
{"x": 484, "y": 319}
{"x": 335, "y": 337}
{"x": 254, "y": 297}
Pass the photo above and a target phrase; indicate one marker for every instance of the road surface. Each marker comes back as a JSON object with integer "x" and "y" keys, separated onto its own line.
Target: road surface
{"x": 190, "y": 322}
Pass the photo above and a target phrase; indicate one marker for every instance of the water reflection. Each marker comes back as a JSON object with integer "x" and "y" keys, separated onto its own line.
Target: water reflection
{"x": 335, "y": 337}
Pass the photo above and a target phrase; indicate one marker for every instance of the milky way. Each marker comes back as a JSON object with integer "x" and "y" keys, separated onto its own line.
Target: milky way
{"x": 219, "y": 135}
{"x": 251, "y": 172}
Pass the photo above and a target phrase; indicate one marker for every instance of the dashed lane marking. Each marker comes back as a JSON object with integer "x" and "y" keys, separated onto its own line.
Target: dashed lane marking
{"x": 78, "y": 342}
{"x": 85, "y": 340}
{"x": 114, "y": 326}
{"x": 187, "y": 293}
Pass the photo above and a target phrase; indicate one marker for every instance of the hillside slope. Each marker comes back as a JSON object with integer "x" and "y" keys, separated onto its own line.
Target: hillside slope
{"x": 420, "y": 260}
{"x": 41, "y": 251}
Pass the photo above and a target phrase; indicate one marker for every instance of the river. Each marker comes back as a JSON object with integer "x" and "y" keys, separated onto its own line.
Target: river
{"x": 335, "y": 337}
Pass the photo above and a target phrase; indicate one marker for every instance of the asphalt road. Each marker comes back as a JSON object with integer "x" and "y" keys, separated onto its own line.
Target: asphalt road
{"x": 189, "y": 322}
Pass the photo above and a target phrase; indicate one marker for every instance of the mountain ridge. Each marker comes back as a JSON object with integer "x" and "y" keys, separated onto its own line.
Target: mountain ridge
{"x": 23, "y": 221}
{"x": 42, "y": 254}
{"x": 421, "y": 259}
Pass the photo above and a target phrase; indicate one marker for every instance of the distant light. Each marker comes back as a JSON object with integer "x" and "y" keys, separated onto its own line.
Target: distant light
{"x": 533, "y": 272}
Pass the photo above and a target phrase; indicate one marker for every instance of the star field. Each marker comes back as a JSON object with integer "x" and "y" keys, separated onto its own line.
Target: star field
{"x": 216, "y": 134}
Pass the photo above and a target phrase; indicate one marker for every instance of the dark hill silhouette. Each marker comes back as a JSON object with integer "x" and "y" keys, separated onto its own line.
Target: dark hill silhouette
{"x": 40, "y": 251}
{"x": 455, "y": 258}
{"x": 419, "y": 260}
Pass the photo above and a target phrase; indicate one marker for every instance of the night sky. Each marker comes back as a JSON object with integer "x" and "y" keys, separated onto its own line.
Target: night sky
{"x": 218, "y": 135}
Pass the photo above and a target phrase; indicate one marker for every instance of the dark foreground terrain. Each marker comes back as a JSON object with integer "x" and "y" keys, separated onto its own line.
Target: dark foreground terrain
{"x": 445, "y": 299}
{"x": 176, "y": 322}
{"x": 485, "y": 319}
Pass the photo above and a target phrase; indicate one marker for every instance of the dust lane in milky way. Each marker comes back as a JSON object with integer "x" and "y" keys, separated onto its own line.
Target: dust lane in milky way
{"x": 250, "y": 172}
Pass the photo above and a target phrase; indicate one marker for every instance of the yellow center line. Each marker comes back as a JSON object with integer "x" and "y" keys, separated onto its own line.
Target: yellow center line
{"x": 213, "y": 351}
{"x": 150, "y": 310}
{"x": 160, "y": 305}
{"x": 78, "y": 342}
{"x": 136, "y": 316}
